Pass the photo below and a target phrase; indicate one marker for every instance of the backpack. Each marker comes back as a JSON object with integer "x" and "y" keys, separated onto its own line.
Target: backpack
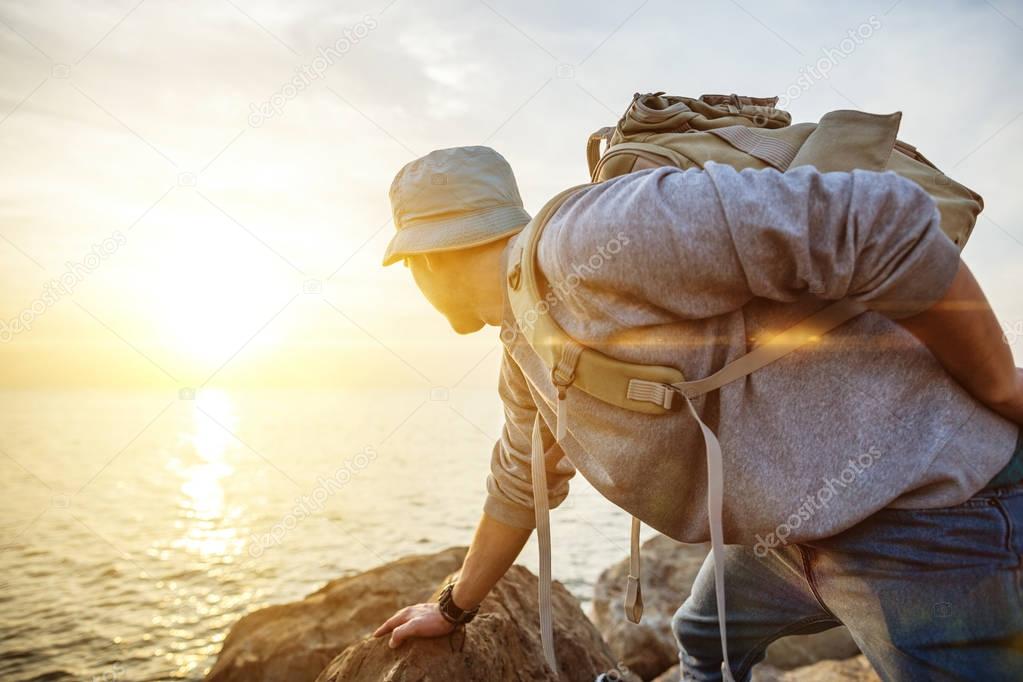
{"x": 743, "y": 132}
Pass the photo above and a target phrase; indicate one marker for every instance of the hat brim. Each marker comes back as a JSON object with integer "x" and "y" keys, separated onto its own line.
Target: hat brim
{"x": 462, "y": 232}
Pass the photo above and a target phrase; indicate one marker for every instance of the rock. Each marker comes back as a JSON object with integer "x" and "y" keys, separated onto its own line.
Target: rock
{"x": 855, "y": 669}
{"x": 295, "y": 642}
{"x": 669, "y": 568}
{"x": 502, "y": 643}
{"x": 672, "y": 674}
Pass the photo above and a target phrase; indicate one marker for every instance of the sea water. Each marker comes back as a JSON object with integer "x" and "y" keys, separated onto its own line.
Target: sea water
{"x": 137, "y": 527}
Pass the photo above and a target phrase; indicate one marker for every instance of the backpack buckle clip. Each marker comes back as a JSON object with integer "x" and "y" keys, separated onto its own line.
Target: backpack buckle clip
{"x": 654, "y": 392}
{"x": 563, "y": 373}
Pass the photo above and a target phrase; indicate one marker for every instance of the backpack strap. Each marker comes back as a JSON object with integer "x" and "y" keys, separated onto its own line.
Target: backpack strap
{"x": 655, "y": 153}
{"x": 541, "y": 510}
{"x": 593, "y": 146}
{"x": 809, "y": 330}
{"x": 599, "y": 375}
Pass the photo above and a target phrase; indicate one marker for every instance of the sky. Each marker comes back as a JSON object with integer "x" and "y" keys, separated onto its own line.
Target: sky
{"x": 174, "y": 214}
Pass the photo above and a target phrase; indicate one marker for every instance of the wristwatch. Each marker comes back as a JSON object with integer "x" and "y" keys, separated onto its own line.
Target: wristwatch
{"x": 450, "y": 611}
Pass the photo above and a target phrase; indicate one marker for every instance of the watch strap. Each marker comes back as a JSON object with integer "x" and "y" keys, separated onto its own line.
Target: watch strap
{"x": 451, "y": 612}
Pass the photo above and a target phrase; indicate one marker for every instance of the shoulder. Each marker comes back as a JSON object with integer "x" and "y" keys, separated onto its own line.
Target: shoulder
{"x": 645, "y": 207}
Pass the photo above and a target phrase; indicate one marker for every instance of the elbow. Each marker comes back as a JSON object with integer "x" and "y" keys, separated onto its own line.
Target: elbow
{"x": 912, "y": 275}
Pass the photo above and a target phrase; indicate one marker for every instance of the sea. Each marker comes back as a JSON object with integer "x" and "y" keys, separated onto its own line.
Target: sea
{"x": 136, "y": 527}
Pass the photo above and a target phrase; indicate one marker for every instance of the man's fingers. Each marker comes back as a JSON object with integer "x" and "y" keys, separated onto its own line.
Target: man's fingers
{"x": 403, "y": 632}
{"x": 392, "y": 622}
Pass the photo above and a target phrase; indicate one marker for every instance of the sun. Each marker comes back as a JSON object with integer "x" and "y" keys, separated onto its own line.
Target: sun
{"x": 213, "y": 291}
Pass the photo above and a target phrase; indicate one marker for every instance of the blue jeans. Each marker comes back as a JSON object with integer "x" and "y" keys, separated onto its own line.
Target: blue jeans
{"x": 932, "y": 594}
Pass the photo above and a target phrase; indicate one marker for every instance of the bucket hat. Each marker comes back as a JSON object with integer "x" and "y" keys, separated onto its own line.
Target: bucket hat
{"x": 453, "y": 199}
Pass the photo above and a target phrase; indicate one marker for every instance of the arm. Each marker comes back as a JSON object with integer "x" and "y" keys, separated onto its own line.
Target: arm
{"x": 707, "y": 242}
{"x": 963, "y": 334}
{"x": 508, "y": 516}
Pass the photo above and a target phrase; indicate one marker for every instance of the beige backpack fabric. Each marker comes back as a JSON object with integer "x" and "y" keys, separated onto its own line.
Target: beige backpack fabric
{"x": 744, "y": 132}
{"x": 748, "y": 132}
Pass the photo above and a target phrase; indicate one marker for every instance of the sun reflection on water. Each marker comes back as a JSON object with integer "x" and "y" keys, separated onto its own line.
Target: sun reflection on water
{"x": 206, "y": 542}
{"x": 203, "y": 464}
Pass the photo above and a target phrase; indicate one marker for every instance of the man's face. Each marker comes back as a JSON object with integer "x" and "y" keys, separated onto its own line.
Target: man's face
{"x": 447, "y": 289}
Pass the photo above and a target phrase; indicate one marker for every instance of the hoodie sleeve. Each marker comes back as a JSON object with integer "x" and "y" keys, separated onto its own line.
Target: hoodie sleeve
{"x": 510, "y": 483}
{"x": 701, "y": 243}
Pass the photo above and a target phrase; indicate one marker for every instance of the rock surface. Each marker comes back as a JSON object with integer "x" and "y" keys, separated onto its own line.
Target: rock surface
{"x": 855, "y": 669}
{"x": 294, "y": 642}
{"x": 672, "y": 674}
{"x": 297, "y": 642}
{"x": 502, "y": 643}
{"x": 669, "y": 568}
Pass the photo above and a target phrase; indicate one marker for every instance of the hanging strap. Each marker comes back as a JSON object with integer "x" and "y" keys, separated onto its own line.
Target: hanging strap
{"x": 634, "y": 588}
{"x": 543, "y": 533}
{"x": 715, "y": 503}
{"x": 562, "y": 376}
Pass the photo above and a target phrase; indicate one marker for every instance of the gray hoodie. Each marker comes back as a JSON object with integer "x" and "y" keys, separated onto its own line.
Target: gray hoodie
{"x": 690, "y": 269}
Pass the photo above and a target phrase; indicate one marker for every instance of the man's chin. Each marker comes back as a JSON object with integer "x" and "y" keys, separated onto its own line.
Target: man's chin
{"x": 466, "y": 326}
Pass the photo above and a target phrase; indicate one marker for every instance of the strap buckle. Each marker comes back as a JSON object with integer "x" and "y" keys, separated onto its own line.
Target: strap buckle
{"x": 561, "y": 378}
{"x": 654, "y": 392}
{"x": 563, "y": 373}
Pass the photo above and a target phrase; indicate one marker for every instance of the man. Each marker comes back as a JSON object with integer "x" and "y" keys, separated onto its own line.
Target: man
{"x": 873, "y": 479}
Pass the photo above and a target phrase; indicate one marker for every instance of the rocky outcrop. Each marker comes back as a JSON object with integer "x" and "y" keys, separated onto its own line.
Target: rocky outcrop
{"x": 326, "y": 636}
{"x": 502, "y": 643}
{"x": 295, "y": 642}
{"x": 669, "y": 568}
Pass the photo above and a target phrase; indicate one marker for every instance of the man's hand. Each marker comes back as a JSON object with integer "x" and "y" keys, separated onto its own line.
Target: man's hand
{"x": 420, "y": 620}
{"x": 493, "y": 550}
